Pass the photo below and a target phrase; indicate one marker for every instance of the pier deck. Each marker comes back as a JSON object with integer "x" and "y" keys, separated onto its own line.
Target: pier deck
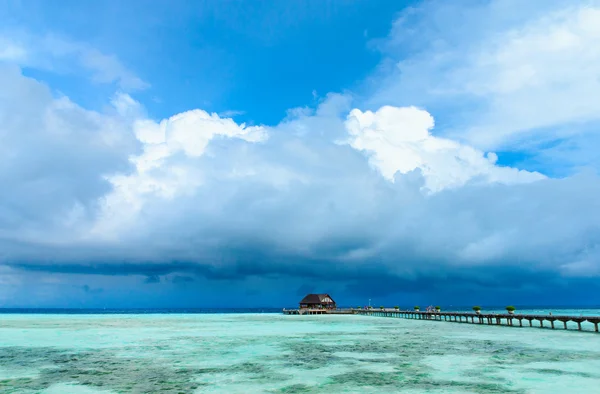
{"x": 306, "y": 311}
{"x": 505, "y": 319}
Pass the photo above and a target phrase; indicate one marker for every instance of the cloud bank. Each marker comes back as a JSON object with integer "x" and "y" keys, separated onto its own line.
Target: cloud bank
{"x": 117, "y": 193}
{"x": 356, "y": 193}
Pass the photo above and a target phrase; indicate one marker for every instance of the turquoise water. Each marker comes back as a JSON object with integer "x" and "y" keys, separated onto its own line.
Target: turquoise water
{"x": 272, "y": 353}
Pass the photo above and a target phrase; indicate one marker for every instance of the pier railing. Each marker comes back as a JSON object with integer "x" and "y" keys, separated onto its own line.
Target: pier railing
{"x": 506, "y": 319}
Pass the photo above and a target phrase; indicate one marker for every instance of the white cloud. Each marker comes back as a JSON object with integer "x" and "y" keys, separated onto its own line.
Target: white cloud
{"x": 544, "y": 74}
{"x": 168, "y": 167}
{"x": 203, "y": 187}
{"x": 231, "y": 113}
{"x": 11, "y": 52}
{"x": 508, "y": 75}
{"x": 399, "y": 140}
{"x": 53, "y": 155}
{"x": 57, "y": 54}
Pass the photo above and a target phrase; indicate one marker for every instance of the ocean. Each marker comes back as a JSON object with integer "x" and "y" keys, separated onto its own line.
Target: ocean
{"x": 146, "y": 352}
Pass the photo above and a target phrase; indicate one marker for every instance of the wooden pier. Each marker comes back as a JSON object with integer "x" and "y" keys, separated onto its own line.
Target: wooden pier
{"x": 505, "y": 319}
{"x": 314, "y": 311}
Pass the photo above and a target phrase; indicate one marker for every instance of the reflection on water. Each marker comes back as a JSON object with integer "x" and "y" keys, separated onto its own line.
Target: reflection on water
{"x": 288, "y": 354}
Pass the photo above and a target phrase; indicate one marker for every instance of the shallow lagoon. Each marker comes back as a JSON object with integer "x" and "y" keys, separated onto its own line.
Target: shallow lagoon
{"x": 272, "y": 353}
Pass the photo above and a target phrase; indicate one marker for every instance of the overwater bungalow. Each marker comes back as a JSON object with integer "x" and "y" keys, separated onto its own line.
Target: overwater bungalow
{"x": 317, "y": 301}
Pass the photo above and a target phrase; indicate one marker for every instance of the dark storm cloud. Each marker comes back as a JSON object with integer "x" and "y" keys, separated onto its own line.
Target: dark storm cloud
{"x": 371, "y": 278}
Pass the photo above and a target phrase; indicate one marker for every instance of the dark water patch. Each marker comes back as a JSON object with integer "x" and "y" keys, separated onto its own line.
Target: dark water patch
{"x": 99, "y": 369}
{"x": 520, "y": 355}
{"x": 558, "y": 372}
{"x": 366, "y": 378}
{"x": 477, "y": 387}
{"x": 307, "y": 355}
{"x": 406, "y": 353}
{"x": 251, "y": 368}
{"x": 255, "y": 372}
{"x": 396, "y": 382}
{"x": 296, "y": 389}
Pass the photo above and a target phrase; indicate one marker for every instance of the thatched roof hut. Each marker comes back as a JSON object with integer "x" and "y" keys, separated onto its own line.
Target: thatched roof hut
{"x": 314, "y": 301}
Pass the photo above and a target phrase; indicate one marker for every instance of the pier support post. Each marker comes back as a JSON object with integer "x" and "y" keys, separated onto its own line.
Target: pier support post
{"x": 541, "y": 323}
{"x": 579, "y": 325}
{"x": 552, "y": 324}
{"x": 565, "y": 323}
{"x": 596, "y": 326}
{"x": 530, "y": 323}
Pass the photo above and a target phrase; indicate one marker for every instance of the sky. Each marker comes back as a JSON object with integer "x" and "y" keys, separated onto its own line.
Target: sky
{"x": 242, "y": 154}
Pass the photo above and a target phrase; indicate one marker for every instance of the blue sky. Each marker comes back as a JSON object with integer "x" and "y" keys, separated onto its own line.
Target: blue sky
{"x": 259, "y": 58}
{"x": 244, "y": 153}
